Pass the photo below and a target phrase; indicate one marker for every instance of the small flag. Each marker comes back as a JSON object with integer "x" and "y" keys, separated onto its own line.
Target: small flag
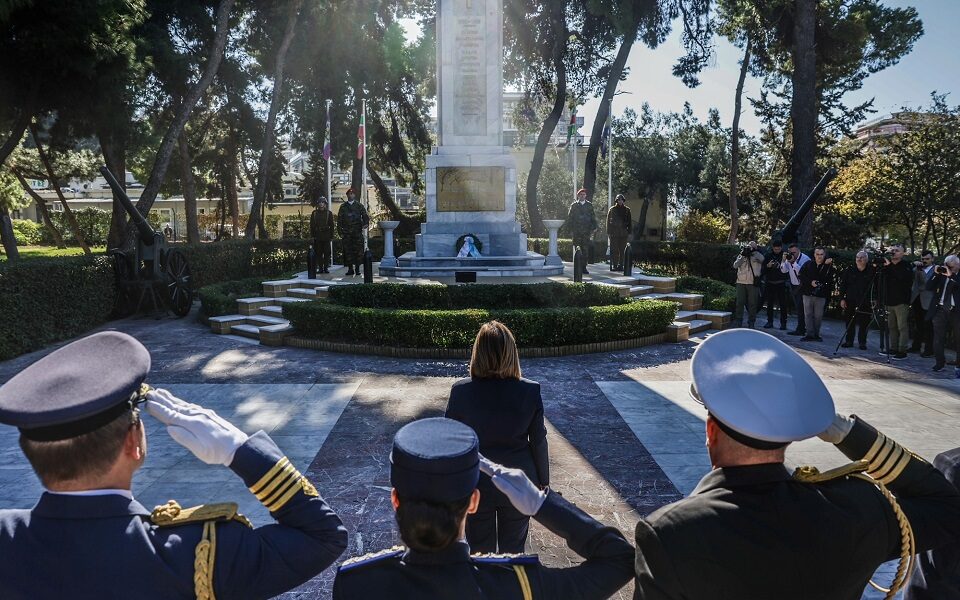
{"x": 327, "y": 146}
{"x": 361, "y": 135}
{"x": 605, "y": 139}
{"x": 572, "y": 129}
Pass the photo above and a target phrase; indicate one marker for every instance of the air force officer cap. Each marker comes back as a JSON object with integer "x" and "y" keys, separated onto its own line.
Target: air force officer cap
{"x": 76, "y": 389}
{"x": 435, "y": 460}
{"x": 762, "y": 393}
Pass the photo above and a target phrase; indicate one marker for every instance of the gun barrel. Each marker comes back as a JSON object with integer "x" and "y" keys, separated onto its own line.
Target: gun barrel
{"x": 146, "y": 232}
{"x": 789, "y": 231}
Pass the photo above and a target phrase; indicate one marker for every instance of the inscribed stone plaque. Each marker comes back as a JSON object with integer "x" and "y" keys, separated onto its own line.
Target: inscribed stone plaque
{"x": 470, "y": 189}
{"x": 470, "y": 68}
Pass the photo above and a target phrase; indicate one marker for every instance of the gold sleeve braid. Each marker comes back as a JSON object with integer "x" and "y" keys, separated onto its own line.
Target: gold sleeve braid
{"x": 280, "y": 484}
{"x": 882, "y": 464}
{"x": 524, "y": 582}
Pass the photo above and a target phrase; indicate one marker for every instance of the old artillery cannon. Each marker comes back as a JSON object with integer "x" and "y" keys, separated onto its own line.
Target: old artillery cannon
{"x": 153, "y": 271}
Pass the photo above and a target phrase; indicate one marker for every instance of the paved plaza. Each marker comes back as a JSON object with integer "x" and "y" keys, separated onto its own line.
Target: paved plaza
{"x": 625, "y": 438}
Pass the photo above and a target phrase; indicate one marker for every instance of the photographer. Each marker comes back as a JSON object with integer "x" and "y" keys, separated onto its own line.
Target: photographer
{"x": 920, "y": 300}
{"x": 816, "y": 285}
{"x": 775, "y": 284}
{"x": 944, "y": 312}
{"x": 749, "y": 266}
{"x": 791, "y": 266}
{"x": 897, "y": 283}
{"x": 855, "y": 299}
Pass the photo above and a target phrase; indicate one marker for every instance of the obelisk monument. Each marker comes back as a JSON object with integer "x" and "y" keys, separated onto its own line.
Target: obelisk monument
{"x": 471, "y": 177}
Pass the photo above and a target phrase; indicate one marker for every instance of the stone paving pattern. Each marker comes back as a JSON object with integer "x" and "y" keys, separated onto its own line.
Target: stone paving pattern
{"x": 623, "y": 436}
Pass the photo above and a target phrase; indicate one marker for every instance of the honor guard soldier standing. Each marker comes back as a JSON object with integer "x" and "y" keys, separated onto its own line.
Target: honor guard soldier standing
{"x": 352, "y": 220}
{"x": 582, "y": 222}
{"x": 321, "y": 228}
{"x": 752, "y": 529}
{"x": 87, "y": 537}
{"x": 434, "y": 469}
{"x": 619, "y": 224}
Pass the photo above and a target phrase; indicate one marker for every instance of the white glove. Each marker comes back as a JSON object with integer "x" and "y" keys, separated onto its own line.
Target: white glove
{"x": 837, "y": 430}
{"x": 516, "y": 486}
{"x": 210, "y": 437}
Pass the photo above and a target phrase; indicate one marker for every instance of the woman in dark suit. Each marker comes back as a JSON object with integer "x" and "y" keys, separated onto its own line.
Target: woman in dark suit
{"x": 506, "y": 411}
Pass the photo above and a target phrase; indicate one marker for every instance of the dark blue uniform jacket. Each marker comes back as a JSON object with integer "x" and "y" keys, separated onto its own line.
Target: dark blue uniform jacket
{"x": 453, "y": 574}
{"x": 107, "y": 546}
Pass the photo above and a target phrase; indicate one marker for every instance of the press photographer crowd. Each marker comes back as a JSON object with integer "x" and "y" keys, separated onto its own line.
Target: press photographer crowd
{"x": 913, "y": 305}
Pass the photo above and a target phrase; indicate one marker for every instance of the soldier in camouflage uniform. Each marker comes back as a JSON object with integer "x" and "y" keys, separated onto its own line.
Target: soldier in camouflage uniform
{"x": 352, "y": 220}
{"x": 321, "y": 228}
{"x": 582, "y": 222}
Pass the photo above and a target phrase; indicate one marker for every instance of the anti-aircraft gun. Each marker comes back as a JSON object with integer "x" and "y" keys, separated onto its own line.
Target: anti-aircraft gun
{"x": 153, "y": 271}
{"x": 788, "y": 233}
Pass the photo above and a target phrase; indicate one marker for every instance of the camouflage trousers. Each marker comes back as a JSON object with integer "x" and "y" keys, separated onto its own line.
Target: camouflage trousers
{"x": 353, "y": 249}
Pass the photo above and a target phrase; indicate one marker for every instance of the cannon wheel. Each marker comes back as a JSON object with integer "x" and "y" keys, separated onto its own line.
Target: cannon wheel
{"x": 178, "y": 280}
{"x": 124, "y": 277}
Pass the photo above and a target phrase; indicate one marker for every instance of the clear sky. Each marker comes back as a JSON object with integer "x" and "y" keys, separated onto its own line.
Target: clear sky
{"x": 932, "y": 65}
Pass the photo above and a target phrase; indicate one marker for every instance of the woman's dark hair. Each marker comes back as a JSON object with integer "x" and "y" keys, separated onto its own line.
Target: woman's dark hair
{"x": 430, "y": 526}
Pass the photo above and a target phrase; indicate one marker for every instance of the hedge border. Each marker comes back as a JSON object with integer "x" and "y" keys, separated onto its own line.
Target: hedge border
{"x": 464, "y": 353}
{"x": 455, "y": 329}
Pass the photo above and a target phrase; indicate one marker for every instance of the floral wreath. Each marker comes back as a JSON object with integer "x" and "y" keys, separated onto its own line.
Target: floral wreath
{"x": 476, "y": 243}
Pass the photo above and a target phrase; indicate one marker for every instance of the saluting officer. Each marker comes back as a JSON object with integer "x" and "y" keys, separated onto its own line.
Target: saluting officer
{"x": 87, "y": 537}
{"x": 434, "y": 469}
{"x": 752, "y": 529}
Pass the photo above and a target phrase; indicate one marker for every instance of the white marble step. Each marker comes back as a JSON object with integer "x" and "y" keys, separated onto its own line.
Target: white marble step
{"x": 250, "y": 331}
{"x": 698, "y": 325}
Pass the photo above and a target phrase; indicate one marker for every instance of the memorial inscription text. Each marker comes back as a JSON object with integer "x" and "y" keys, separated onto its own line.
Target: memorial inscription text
{"x": 470, "y": 189}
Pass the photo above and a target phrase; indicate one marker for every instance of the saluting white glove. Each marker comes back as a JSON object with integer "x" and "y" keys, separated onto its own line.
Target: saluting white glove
{"x": 210, "y": 437}
{"x": 837, "y": 430}
{"x": 516, "y": 486}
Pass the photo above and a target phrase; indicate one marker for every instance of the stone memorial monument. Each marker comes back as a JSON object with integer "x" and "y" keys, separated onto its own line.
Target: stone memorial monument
{"x": 471, "y": 178}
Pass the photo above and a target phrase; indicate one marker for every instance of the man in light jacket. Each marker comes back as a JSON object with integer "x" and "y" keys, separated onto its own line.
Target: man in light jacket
{"x": 749, "y": 266}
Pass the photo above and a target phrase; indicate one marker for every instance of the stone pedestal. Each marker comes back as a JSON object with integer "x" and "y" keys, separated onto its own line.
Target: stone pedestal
{"x": 388, "y": 257}
{"x": 553, "y": 254}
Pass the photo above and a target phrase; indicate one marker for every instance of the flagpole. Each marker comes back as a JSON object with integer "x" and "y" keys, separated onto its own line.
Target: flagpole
{"x": 573, "y": 126}
{"x": 609, "y": 171}
{"x": 329, "y": 156}
{"x": 366, "y": 193}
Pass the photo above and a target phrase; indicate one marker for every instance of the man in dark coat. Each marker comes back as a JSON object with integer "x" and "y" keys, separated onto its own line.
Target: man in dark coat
{"x": 897, "y": 285}
{"x": 321, "y": 228}
{"x": 752, "y": 529}
{"x": 920, "y": 300}
{"x": 944, "y": 311}
{"x": 434, "y": 470}
{"x": 352, "y": 221}
{"x": 855, "y": 285}
{"x": 619, "y": 225}
{"x": 775, "y": 285}
{"x": 936, "y": 575}
{"x": 582, "y": 222}
{"x": 87, "y": 537}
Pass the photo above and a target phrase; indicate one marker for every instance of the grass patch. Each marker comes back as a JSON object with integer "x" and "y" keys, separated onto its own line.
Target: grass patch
{"x": 34, "y": 252}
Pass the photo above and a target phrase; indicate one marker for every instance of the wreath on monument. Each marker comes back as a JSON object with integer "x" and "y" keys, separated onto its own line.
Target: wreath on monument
{"x": 459, "y": 243}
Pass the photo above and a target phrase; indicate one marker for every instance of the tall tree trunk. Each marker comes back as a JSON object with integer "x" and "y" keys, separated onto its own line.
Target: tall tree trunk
{"x": 550, "y": 124}
{"x": 735, "y": 148}
{"x": 231, "y": 196}
{"x": 6, "y": 234}
{"x": 42, "y": 208}
{"x": 613, "y": 79}
{"x": 269, "y": 133}
{"x": 19, "y": 126}
{"x": 115, "y": 157}
{"x": 189, "y": 189}
{"x": 642, "y": 221}
{"x": 803, "y": 110}
{"x": 162, "y": 162}
{"x": 55, "y": 182}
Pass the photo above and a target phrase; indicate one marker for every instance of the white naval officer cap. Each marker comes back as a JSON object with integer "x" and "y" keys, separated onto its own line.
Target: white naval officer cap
{"x": 760, "y": 391}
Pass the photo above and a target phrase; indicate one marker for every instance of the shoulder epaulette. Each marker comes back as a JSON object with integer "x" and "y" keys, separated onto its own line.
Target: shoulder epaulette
{"x": 506, "y": 559}
{"x": 172, "y": 514}
{"x": 372, "y": 557}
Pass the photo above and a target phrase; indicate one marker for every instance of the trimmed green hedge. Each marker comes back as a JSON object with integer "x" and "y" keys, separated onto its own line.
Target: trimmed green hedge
{"x": 221, "y": 298}
{"x": 500, "y": 296}
{"x": 46, "y": 300}
{"x": 538, "y": 327}
{"x": 716, "y": 294}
